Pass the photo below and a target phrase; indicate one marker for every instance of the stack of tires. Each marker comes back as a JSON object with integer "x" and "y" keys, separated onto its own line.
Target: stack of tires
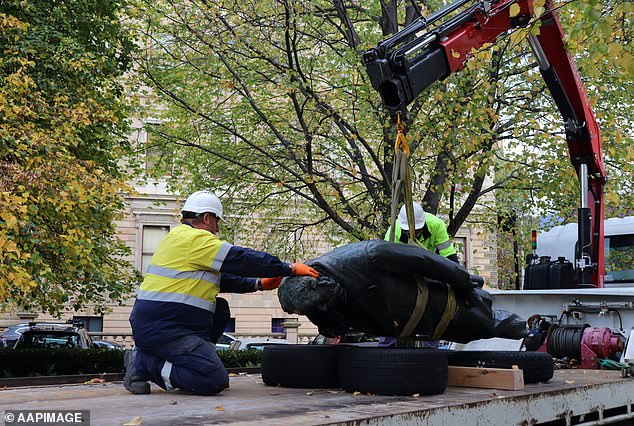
{"x": 380, "y": 371}
{"x": 386, "y": 371}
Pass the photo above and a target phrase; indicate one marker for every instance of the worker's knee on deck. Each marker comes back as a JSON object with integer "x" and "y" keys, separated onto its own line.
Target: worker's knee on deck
{"x": 211, "y": 385}
{"x": 201, "y": 371}
{"x": 201, "y": 384}
{"x": 190, "y": 364}
{"x": 194, "y": 374}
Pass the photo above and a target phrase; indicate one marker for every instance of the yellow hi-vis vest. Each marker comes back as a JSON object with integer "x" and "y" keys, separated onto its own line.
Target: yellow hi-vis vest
{"x": 438, "y": 241}
{"x": 185, "y": 268}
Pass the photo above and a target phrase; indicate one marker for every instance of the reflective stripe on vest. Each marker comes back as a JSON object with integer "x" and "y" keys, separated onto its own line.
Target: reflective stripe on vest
{"x": 220, "y": 256}
{"x": 444, "y": 245}
{"x": 158, "y": 296}
{"x": 162, "y": 271}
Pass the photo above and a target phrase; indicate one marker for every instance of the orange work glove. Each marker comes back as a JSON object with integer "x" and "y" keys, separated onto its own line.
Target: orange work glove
{"x": 270, "y": 283}
{"x": 301, "y": 269}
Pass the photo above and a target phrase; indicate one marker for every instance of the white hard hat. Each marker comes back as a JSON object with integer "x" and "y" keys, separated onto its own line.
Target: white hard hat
{"x": 203, "y": 202}
{"x": 419, "y": 217}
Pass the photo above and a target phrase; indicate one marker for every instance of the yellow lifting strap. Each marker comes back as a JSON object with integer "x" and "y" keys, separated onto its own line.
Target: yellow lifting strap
{"x": 419, "y": 308}
{"x": 401, "y": 140}
{"x": 447, "y": 315}
{"x": 401, "y": 181}
{"x": 422, "y": 298}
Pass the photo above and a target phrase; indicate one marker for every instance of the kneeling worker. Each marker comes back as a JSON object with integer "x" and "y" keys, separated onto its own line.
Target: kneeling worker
{"x": 431, "y": 231}
{"x": 177, "y": 317}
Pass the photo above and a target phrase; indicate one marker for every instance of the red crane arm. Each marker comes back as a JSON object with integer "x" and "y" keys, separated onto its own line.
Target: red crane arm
{"x": 430, "y": 49}
{"x": 585, "y": 148}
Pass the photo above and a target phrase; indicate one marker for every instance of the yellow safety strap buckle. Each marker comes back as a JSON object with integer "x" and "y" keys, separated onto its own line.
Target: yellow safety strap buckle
{"x": 401, "y": 140}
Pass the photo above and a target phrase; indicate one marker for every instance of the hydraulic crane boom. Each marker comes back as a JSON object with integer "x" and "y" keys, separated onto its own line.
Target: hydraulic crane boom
{"x": 430, "y": 49}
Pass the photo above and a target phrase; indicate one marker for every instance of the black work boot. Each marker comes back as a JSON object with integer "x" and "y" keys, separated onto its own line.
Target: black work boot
{"x": 132, "y": 381}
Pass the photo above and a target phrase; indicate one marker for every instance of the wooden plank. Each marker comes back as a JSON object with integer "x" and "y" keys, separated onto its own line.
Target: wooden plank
{"x": 494, "y": 378}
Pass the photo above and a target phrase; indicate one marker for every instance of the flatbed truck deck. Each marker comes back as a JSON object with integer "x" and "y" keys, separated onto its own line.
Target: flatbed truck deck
{"x": 571, "y": 397}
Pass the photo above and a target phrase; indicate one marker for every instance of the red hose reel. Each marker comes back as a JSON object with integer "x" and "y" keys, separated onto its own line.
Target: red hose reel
{"x": 582, "y": 342}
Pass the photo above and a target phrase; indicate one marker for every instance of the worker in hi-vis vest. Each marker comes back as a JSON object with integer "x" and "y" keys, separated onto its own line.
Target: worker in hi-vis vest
{"x": 430, "y": 231}
{"x": 177, "y": 318}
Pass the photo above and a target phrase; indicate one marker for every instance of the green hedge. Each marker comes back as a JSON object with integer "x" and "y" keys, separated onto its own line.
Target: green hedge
{"x": 29, "y": 362}
{"x": 241, "y": 359}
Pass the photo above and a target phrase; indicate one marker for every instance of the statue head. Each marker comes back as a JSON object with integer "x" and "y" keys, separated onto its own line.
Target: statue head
{"x": 304, "y": 295}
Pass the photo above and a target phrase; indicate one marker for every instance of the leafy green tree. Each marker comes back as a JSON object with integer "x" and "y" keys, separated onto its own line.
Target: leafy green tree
{"x": 268, "y": 101}
{"x": 62, "y": 131}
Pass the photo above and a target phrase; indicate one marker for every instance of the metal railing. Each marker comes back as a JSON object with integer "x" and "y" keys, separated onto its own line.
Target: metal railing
{"x": 127, "y": 341}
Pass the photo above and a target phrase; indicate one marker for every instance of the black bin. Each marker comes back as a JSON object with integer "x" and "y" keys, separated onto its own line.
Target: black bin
{"x": 561, "y": 274}
{"x": 537, "y": 275}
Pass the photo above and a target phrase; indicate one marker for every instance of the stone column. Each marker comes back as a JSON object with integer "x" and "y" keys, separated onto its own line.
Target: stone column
{"x": 290, "y": 327}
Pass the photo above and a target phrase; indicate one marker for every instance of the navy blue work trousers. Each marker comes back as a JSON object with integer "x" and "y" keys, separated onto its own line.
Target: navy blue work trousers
{"x": 189, "y": 363}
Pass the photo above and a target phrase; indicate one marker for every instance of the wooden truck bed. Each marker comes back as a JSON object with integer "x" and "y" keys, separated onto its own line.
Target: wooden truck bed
{"x": 579, "y": 396}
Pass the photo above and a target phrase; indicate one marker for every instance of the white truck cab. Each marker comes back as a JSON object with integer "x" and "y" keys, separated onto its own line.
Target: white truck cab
{"x": 561, "y": 241}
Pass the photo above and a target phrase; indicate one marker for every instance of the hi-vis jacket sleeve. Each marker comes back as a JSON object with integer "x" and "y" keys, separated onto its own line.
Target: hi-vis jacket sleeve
{"x": 222, "y": 256}
{"x": 230, "y": 283}
{"x": 247, "y": 262}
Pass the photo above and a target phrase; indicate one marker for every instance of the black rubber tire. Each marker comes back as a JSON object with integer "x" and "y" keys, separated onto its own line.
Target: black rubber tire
{"x": 537, "y": 366}
{"x": 301, "y": 366}
{"x": 393, "y": 371}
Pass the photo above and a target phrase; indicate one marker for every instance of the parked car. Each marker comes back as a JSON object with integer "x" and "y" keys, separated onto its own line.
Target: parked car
{"x": 255, "y": 343}
{"x": 351, "y": 338}
{"x": 105, "y": 344}
{"x": 12, "y": 334}
{"x": 225, "y": 341}
{"x": 54, "y": 335}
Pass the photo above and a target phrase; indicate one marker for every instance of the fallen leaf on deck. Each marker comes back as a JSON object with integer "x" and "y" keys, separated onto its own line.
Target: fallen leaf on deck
{"x": 416, "y": 395}
{"x": 356, "y": 393}
{"x": 570, "y": 381}
{"x": 93, "y": 381}
{"x": 310, "y": 393}
{"x": 219, "y": 408}
{"x": 232, "y": 374}
{"x": 134, "y": 422}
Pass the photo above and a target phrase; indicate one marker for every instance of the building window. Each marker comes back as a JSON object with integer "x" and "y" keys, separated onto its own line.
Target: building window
{"x": 152, "y": 236}
{"x": 276, "y": 325}
{"x": 90, "y": 323}
{"x": 231, "y": 326}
